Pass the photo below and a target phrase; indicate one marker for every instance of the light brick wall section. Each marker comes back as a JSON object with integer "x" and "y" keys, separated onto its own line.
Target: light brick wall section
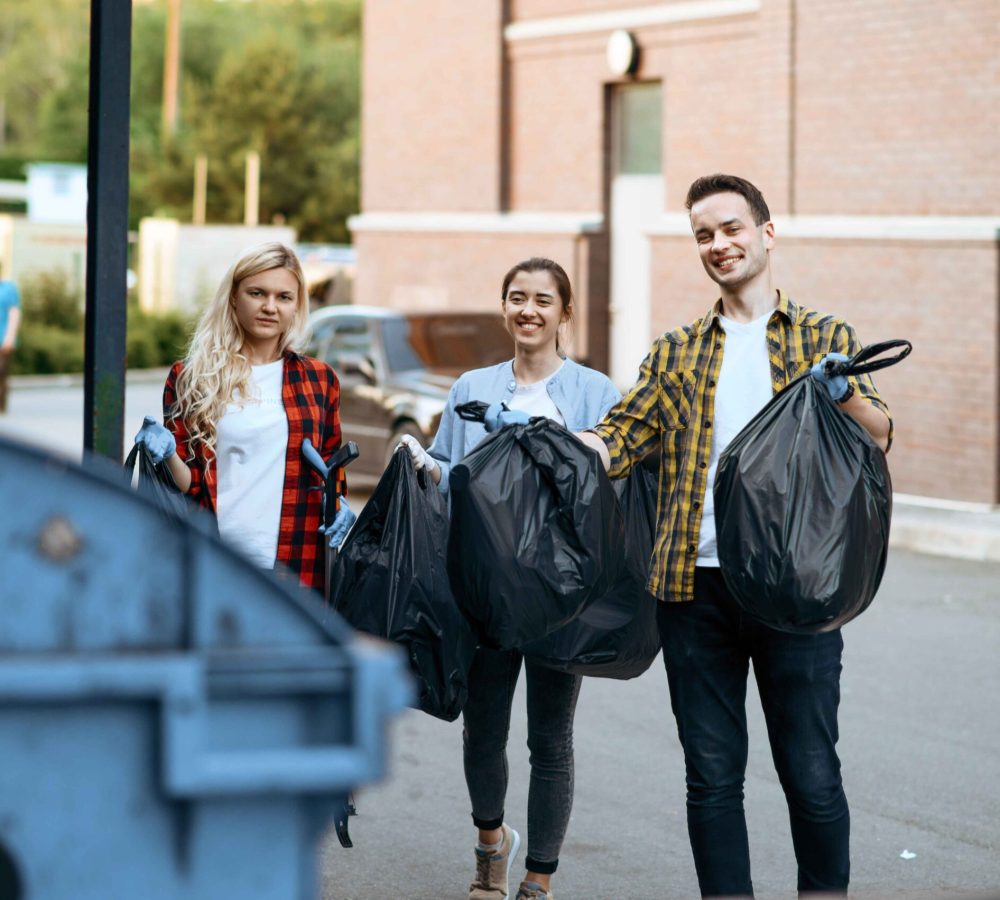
{"x": 431, "y": 105}
{"x": 557, "y": 126}
{"x": 944, "y": 397}
{"x": 899, "y": 107}
{"x": 700, "y": 132}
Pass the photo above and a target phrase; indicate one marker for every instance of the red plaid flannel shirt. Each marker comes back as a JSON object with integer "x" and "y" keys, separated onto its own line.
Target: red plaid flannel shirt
{"x": 311, "y": 396}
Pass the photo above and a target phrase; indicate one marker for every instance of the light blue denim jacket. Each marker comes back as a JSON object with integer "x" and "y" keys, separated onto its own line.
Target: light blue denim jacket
{"x": 580, "y": 394}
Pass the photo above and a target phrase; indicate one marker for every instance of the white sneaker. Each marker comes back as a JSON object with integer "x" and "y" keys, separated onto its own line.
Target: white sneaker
{"x": 493, "y": 868}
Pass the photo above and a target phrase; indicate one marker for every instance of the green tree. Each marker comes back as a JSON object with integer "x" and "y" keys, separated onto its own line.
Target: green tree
{"x": 285, "y": 83}
{"x": 40, "y": 41}
{"x": 62, "y": 117}
{"x": 300, "y": 117}
{"x": 277, "y": 76}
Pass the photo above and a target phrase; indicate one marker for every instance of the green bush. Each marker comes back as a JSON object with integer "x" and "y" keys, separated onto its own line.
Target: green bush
{"x": 47, "y": 298}
{"x": 46, "y": 350}
{"x": 50, "y": 337}
{"x": 13, "y": 166}
{"x": 140, "y": 349}
{"x": 155, "y": 340}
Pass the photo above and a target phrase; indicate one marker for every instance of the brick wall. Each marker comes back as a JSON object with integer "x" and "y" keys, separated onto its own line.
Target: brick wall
{"x": 899, "y": 107}
{"x": 557, "y": 126}
{"x": 431, "y": 105}
{"x": 894, "y": 108}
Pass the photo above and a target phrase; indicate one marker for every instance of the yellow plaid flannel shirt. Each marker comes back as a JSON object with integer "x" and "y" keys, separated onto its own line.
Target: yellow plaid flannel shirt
{"x": 671, "y": 409}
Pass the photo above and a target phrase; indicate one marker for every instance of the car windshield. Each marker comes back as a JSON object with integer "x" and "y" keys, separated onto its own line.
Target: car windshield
{"x": 447, "y": 343}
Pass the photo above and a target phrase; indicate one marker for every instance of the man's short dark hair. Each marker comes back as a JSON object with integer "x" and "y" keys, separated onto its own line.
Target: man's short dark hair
{"x": 708, "y": 185}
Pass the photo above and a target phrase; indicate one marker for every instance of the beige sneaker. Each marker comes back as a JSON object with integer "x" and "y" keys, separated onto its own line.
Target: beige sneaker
{"x": 532, "y": 890}
{"x": 493, "y": 869}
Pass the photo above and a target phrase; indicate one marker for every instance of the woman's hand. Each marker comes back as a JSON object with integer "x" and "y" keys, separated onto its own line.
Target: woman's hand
{"x": 162, "y": 448}
{"x": 420, "y": 457}
{"x": 157, "y": 440}
{"x": 341, "y": 524}
{"x": 498, "y": 416}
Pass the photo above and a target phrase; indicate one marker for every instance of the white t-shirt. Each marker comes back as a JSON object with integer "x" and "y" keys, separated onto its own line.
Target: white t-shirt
{"x": 743, "y": 389}
{"x": 252, "y": 440}
{"x": 534, "y": 399}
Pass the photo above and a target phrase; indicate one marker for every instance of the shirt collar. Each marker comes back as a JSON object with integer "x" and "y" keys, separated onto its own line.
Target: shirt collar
{"x": 785, "y": 307}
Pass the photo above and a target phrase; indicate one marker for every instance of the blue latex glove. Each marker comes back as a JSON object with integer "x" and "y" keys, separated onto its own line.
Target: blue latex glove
{"x": 158, "y": 440}
{"x": 341, "y": 524}
{"x": 836, "y": 385}
{"x": 498, "y": 417}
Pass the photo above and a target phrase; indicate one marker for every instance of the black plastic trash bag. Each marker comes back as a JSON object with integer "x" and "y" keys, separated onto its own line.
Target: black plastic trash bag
{"x": 155, "y": 482}
{"x": 390, "y": 580}
{"x": 536, "y": 534}
{"x": 802, "y": 506}
{"x": 618, "y": 636}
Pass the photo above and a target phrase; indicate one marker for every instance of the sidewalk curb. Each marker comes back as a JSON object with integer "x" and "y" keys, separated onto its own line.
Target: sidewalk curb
{"x": 75, "y": 379}
{"x": 969, "y": 531}
{"x": 956, "y": 542}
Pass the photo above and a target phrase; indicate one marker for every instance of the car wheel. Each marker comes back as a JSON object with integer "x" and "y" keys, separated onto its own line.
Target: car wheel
{"x": 403, "y": 428}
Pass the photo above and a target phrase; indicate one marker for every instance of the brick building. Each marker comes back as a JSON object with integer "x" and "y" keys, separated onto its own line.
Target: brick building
{"x": 498, "y": 129}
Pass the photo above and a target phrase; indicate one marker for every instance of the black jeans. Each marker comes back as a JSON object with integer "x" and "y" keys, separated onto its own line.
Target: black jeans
{"x": 707, "y": 647}
{"x": 552, "y": 700}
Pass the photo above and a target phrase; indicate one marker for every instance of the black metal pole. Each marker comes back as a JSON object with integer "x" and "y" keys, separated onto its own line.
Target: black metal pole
{"x": 107, "y": 227}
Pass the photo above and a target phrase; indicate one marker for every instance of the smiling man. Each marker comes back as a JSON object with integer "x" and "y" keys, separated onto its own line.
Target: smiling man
{"x": 697, "y": 388}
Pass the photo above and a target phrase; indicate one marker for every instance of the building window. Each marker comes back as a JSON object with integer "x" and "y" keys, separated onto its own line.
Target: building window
{"x": 638, "y": 117}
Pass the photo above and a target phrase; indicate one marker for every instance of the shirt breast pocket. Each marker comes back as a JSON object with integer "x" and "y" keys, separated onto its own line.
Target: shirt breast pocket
{"x": 797, "y": 368}
{"x": 676, "y": 398}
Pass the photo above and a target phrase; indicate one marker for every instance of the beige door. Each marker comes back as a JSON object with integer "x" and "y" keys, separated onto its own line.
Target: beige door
{"x": 636, "y": 201}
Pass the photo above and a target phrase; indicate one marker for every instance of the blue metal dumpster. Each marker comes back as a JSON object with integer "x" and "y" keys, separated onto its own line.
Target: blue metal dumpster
{"x": 173, "y": 722}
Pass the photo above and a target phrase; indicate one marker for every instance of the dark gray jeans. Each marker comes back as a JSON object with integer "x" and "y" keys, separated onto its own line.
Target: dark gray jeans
{"x": 552, "y": 700}
{"x": 708, "y": 645}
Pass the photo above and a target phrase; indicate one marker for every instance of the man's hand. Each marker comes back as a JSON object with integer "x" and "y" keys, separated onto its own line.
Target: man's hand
{"x": 158, "y": 440}
{"x": 836, "y": 385}
{"x": 340, "y": 525}
{"x": 498, "y": 417}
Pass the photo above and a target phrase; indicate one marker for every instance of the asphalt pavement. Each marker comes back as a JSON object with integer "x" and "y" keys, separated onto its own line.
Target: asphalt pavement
{"x": 919, "y": 730}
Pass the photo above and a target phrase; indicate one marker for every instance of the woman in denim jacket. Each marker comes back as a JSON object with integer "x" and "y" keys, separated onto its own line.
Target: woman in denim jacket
{"x": 536, "y": 301}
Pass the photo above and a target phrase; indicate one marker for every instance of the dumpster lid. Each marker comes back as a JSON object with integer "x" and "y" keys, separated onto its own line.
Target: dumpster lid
{"x": 89, "y": 565}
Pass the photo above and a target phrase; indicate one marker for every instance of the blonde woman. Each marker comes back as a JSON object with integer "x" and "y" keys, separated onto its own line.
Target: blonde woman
{"x": 237, "y": 409}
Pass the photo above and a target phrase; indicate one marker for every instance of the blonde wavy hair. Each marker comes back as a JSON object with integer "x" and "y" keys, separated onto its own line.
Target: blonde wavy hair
{"x": 215, "y": 367}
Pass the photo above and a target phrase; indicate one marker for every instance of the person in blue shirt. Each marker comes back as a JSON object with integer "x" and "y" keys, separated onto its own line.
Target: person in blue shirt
{"x": 10, "y": 320}
{"x": 536, "y": 304}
